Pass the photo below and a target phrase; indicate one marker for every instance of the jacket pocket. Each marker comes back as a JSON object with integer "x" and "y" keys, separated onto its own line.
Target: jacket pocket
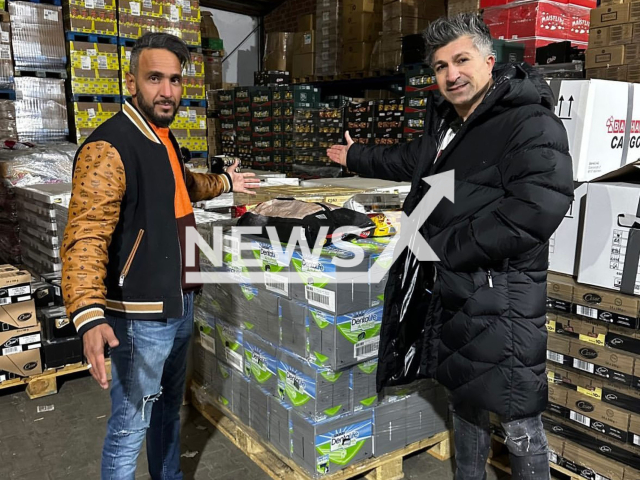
{"x": 132, "y": 254}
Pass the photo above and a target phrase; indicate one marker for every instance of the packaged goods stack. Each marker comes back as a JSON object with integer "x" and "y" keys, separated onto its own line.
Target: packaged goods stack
{"x": 20, "y": 332}
{"x": 226, "y": 104}
{"x": 40, "y": 236}
{"x": 454, "y": 7}
{"x": 90, "y": 17}
{"x": 328, "y": 37}
{"x": 304, "y": 47}
{"x": 283, "y": 108}
{"x": 278, "y": 53}
{"x": 193, "y": 78}
{"x": 6, "y": 59}
{"x": 301, "y": 370}
{"x": 359, "y": 121}
{"x": 538, "y": 23}
{"x": 190, "y": 128}
{"x": 388, "y": 125}
{"x": 419, "y": 82}
{"x": 361, "y": 27}
{"x": 8, "y": 126}
{"x": 242, "y": 125}
{"x": 262, "y": 127}
{"x": 38, "y": 46}
{"x": 214, "y": 131}
{"x": 613, "y": 52}
{"x": 213, "y": 51}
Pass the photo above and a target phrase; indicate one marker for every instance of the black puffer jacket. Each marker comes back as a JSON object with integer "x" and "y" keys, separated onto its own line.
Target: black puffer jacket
{"x": 476, "y": 319}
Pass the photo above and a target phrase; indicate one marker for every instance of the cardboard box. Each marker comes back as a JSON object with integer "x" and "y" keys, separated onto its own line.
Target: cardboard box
{"x": 456, "y": 7}
{"x": 606, "y": 306}
{"x": 558, "y": 349}
{"x": 631, "y": 53}
{"x": 619, "y": 73}
{"x": 599, "y": 37}
{"x": 597, "y": 415}
{"x": 278, "y": 51}
{"x": 602, "y": 362}
{"x": 594, "y": 113}
{"x": 356, "y": 56}
{"x": 560, "y": 292}
{"x": 558, "y": 395}
{"x": 608, "y": 15}
{"x": 361, "y": 27}
{"x": 303, "y": 42}
{"x": 588, "y": 464}
{"x": 208, "y": 26}
{"x": 360, "y": 6}
{"x": 607, "y": 252}
{"x": 605, "y": 56}
{"x": 533, "y": 19}
{"x": 621, "y": 34}
{"x": 403, "y": 26}
{"x": 15, "y": 286}
{"x": 303, "y": 65}
{"x": 306, "y": 22}
{"x": 23, "y": 364}
{"x": 564, "y": 244}
{"x": 634, "y": 429}
{"x": 19, "y": 328}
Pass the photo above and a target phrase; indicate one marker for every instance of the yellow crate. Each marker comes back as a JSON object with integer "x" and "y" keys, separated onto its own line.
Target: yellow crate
{"x": 94, "y": 4}
{"x": 195, "y": 144}
{"x": 92, "y": 86}
{"x": 93, "y": 60}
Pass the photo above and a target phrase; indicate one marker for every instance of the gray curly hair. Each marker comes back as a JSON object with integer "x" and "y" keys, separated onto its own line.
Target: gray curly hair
{"x": 445, "y": 30}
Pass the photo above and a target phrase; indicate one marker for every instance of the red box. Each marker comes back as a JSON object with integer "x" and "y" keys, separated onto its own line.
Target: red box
{"x": 539, "y": 19}
{"x": 492, "y": 3}
{"x": 497, "y": 19}
{"x": 580, "y": 18}
{"x": 584, "y": 3}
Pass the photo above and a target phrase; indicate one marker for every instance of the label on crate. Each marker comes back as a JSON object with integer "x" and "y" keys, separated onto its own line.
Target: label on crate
{"x": 276, "y": 283}
{"x": 30, "y": 339}
{"x": 186, "y": 8}
{"x": 127, "y": 55}
{"x": 11, "y": 350}
{"x": 135, "y": 8}
{"x": 147, "y": 4}
{"x": 192, "y": 116}
{"x": 326, "y": 16}
{"x": 99, "y": 3}
{"x": 592, "y": 392}
{"x": 92, "y": 52}
{"x": 555, "y": 357}
{"x": 319, "y": 297}
{"x": 191, "y": 70}
{"x": 102, "y": 62}
{"x": 91, "y": 112}
{"x": 51, "y": 15}
{"x": 85, "y": 62}
{"x": 207, "y": 343}
{"x": 203, "y": 124}
{"x": 5, "y": 37}
{"x": 5, "y": 52}
{"x": 174, "y": 17}
{"x": 584, "y": 366}
{"x": 366, "y": 348}
{"x": 89, "y": 3}
{"x": 183, "y": 114}
{"x": 597, "y": 340}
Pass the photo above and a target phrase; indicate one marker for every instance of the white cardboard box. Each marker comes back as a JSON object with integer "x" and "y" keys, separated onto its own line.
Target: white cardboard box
{"x": 564, "y": 244}
{"x": 611, "y": 210}
{"x": 602, "y": 119}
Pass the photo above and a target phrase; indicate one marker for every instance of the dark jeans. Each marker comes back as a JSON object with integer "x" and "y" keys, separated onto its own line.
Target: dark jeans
{"x": 525, "y": 439}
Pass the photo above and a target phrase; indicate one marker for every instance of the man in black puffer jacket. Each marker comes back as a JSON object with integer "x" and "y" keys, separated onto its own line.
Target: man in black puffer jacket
{"x": 484, "y": 335}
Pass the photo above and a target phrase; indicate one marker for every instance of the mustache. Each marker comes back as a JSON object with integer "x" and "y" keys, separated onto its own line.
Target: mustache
{"x": 165, "y": 102}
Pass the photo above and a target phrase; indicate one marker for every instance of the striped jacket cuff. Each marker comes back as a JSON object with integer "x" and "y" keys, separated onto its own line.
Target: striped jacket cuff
{"x": 226, "y": 181}
{"x": 88, "y": 317}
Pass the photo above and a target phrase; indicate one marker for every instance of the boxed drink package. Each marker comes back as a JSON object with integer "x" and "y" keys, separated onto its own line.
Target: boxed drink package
{"x": 324, "y": 447}
{"x": 363, "y": 385}
{"x": 229, "y": 345}
{"x": 55, "y": 323}
{"x": 606, "y": 306}
{"x": 314, "y": 391}
{"x": 19, "y": 329}
{"x": 205, "y": 328}
{"x": 598, "y": 415}
{"x": 272, "y": 264}
{"x": 294, "y": 326}
{"x": 259, "y": 410}
{"x": 240, "y": 395}
{"x": 389, "y": 426}
{"x": 223, "y": 384}
{"x": 564, "y": 244}
{"x": 280, "y": 425}
{"x": 260, "y": 362}
{"x": 339, "y": 341}
{"x": 205, "y": 365}
{"x": 94, "y": 68}
{"x": 603, "y": 362}
{"x": 427, "y": 412}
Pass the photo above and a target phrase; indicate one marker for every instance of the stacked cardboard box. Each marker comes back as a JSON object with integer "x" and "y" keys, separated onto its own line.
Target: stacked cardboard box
{"x": 226, "y": 104}
{"x": 362, "y": 23}
{"x": 37, "y": 36}
{"x": 456, "y": 7}
{"x": 278, "y": 53}
{"x": 420, "y": 82}
{"x": 6, "y": 59}
{"x": 262, "y": 127}
{"x": 91, "y": 16}
{"x": 388, "y": 121}
{"x": 359, "y": 121}
{"x": 242, "y": 124}
{"x": 94, "y": 68}
{"x": 210, "y": 35}
{"x": 41, "y": 109}
{"x": 328, "y": 37}
{"x": 190, "y": 128}
{"x": 87, "y": 116}
{"x": 613, "y": 52}
{"x": 213, "y": 69}
{"x": 283, "y": 127}
{"x": 193, "y": 78}
{"x": 304, "y": 48}
{"x": 538, "y": 23}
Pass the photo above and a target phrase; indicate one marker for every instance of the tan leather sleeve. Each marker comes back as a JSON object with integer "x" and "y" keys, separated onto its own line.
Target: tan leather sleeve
{"x": 97, "y": 190}
{"x": 204, "y": 186}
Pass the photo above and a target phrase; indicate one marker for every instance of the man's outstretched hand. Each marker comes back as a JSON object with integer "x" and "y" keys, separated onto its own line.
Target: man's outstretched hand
{"x": 243, "y": 182}
{"x": 338, "y": 153}
{"x": 94, "y": 341}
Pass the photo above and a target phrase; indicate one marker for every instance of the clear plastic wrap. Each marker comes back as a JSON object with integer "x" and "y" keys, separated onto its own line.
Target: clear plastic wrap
{"x": 278, "y": 51}
{"x": 37, "y": 36}
{"x": 52, "y": 163}
{"x": 328, "y": 37}
{"x": 41, "y": 110}
{"x": 6, "y": 59}
{"x": 8, "y": 126}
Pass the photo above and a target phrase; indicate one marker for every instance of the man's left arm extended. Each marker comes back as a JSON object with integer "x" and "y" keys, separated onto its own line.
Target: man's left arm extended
{"x": 538, "y": 181}
{"x": 204, "y": 186}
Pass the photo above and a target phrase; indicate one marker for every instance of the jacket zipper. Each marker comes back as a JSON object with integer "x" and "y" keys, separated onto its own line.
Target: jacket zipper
{"x": 489, "y": 278}
{"x": 127, "y": 266}
{"x": 184, "y": 179}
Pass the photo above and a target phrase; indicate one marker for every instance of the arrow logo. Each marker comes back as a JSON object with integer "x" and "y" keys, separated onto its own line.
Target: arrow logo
{"x": 442, "y": 186}
{"x": 560, "y": 102}
{"x": 570, "y": 104}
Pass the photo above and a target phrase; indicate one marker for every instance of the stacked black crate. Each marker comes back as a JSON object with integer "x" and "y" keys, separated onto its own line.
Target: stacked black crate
{"x": 283, "y": 127}
{"x": 388, "y": 121}
{"x": 262, "y": 127}
{"x": 242, "y": 125}
{"x": 419, "y": 89}
{"x": 358, "y": 121}
{"x": 227, "y": 126}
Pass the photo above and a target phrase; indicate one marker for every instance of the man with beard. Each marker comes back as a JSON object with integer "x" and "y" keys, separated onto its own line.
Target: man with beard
{"x": 124, "y": 269}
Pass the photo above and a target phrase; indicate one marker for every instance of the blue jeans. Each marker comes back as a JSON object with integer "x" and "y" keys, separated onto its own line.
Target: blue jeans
{"x": 525, "y": 440}
{"x": 147, "y": 390}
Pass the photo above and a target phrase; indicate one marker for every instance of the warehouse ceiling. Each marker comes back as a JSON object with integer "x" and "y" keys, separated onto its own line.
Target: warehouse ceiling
{"x": 255, "y": 8}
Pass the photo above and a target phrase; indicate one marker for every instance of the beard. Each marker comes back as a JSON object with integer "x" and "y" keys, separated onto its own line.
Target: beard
{"x": 148, "y": 108}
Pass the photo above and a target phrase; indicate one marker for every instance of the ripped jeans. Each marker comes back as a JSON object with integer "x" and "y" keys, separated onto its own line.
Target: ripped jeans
{"x": 147, "y": 390}
{"x": 525, "y": 439}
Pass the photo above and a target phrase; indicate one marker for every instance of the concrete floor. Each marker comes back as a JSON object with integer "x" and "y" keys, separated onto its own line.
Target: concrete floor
{"x": 65, "y": 443}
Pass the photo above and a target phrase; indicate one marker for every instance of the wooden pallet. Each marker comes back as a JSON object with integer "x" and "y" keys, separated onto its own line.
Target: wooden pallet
{"x": 279, "y": 467}
{"x": 46, "y": 383}
{"x": 354, "y": 75}
{"x": 304, "y": 80}
{"x": 383, "y": 73}
{"x": 499, "y": 458}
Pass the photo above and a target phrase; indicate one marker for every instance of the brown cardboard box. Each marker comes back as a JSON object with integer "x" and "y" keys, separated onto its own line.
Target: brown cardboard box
{"x": 599, "y": 37}
{"x": 352, "y": 6}
{"x": 19, "y": 328}
{"x": 401, "y": 9}
{"x": 621, "y": 34}
{"x": 456, "y": 7}
{"x": 597, "y": 410}
{"x": 632, "y": 53}
{"x": 560, "y": 287}
{"x": 361, "y": 27}
{"x": 212, "y": 72}
{"x": 208, "y": 26}
{"x": 609, "y": 15}
{"x": 633, "y": 73}
{"x": 558, "y": 395}
{"x": 403, "y": 25}
{"x": 558, "y": 344}
{"x": 356, "y": 57}
{"x": 303, "y": 65}
{"x": 278, "y": 51}
{"x": 590, "y": 298}
{"x": 24, "y": 364}
{"x": 15, "y": 286}
{"x": 556, "y": 444}
{"x": 599, "y": 464}
{"x": 390, "y": 60}
{"x": 304, "y": 42}
{"x": 634, "y": 429}
{"x": 612, "y": 2}
{"x": 634, "y": 11}
{"x": 307, "y": 22}
{"x": 600, "y": 356}
{"x": 605, "y": 56}
{"x": 631, "y": 474}
{"x": 618, "y": 73}
{"x": 636, "y": 33}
